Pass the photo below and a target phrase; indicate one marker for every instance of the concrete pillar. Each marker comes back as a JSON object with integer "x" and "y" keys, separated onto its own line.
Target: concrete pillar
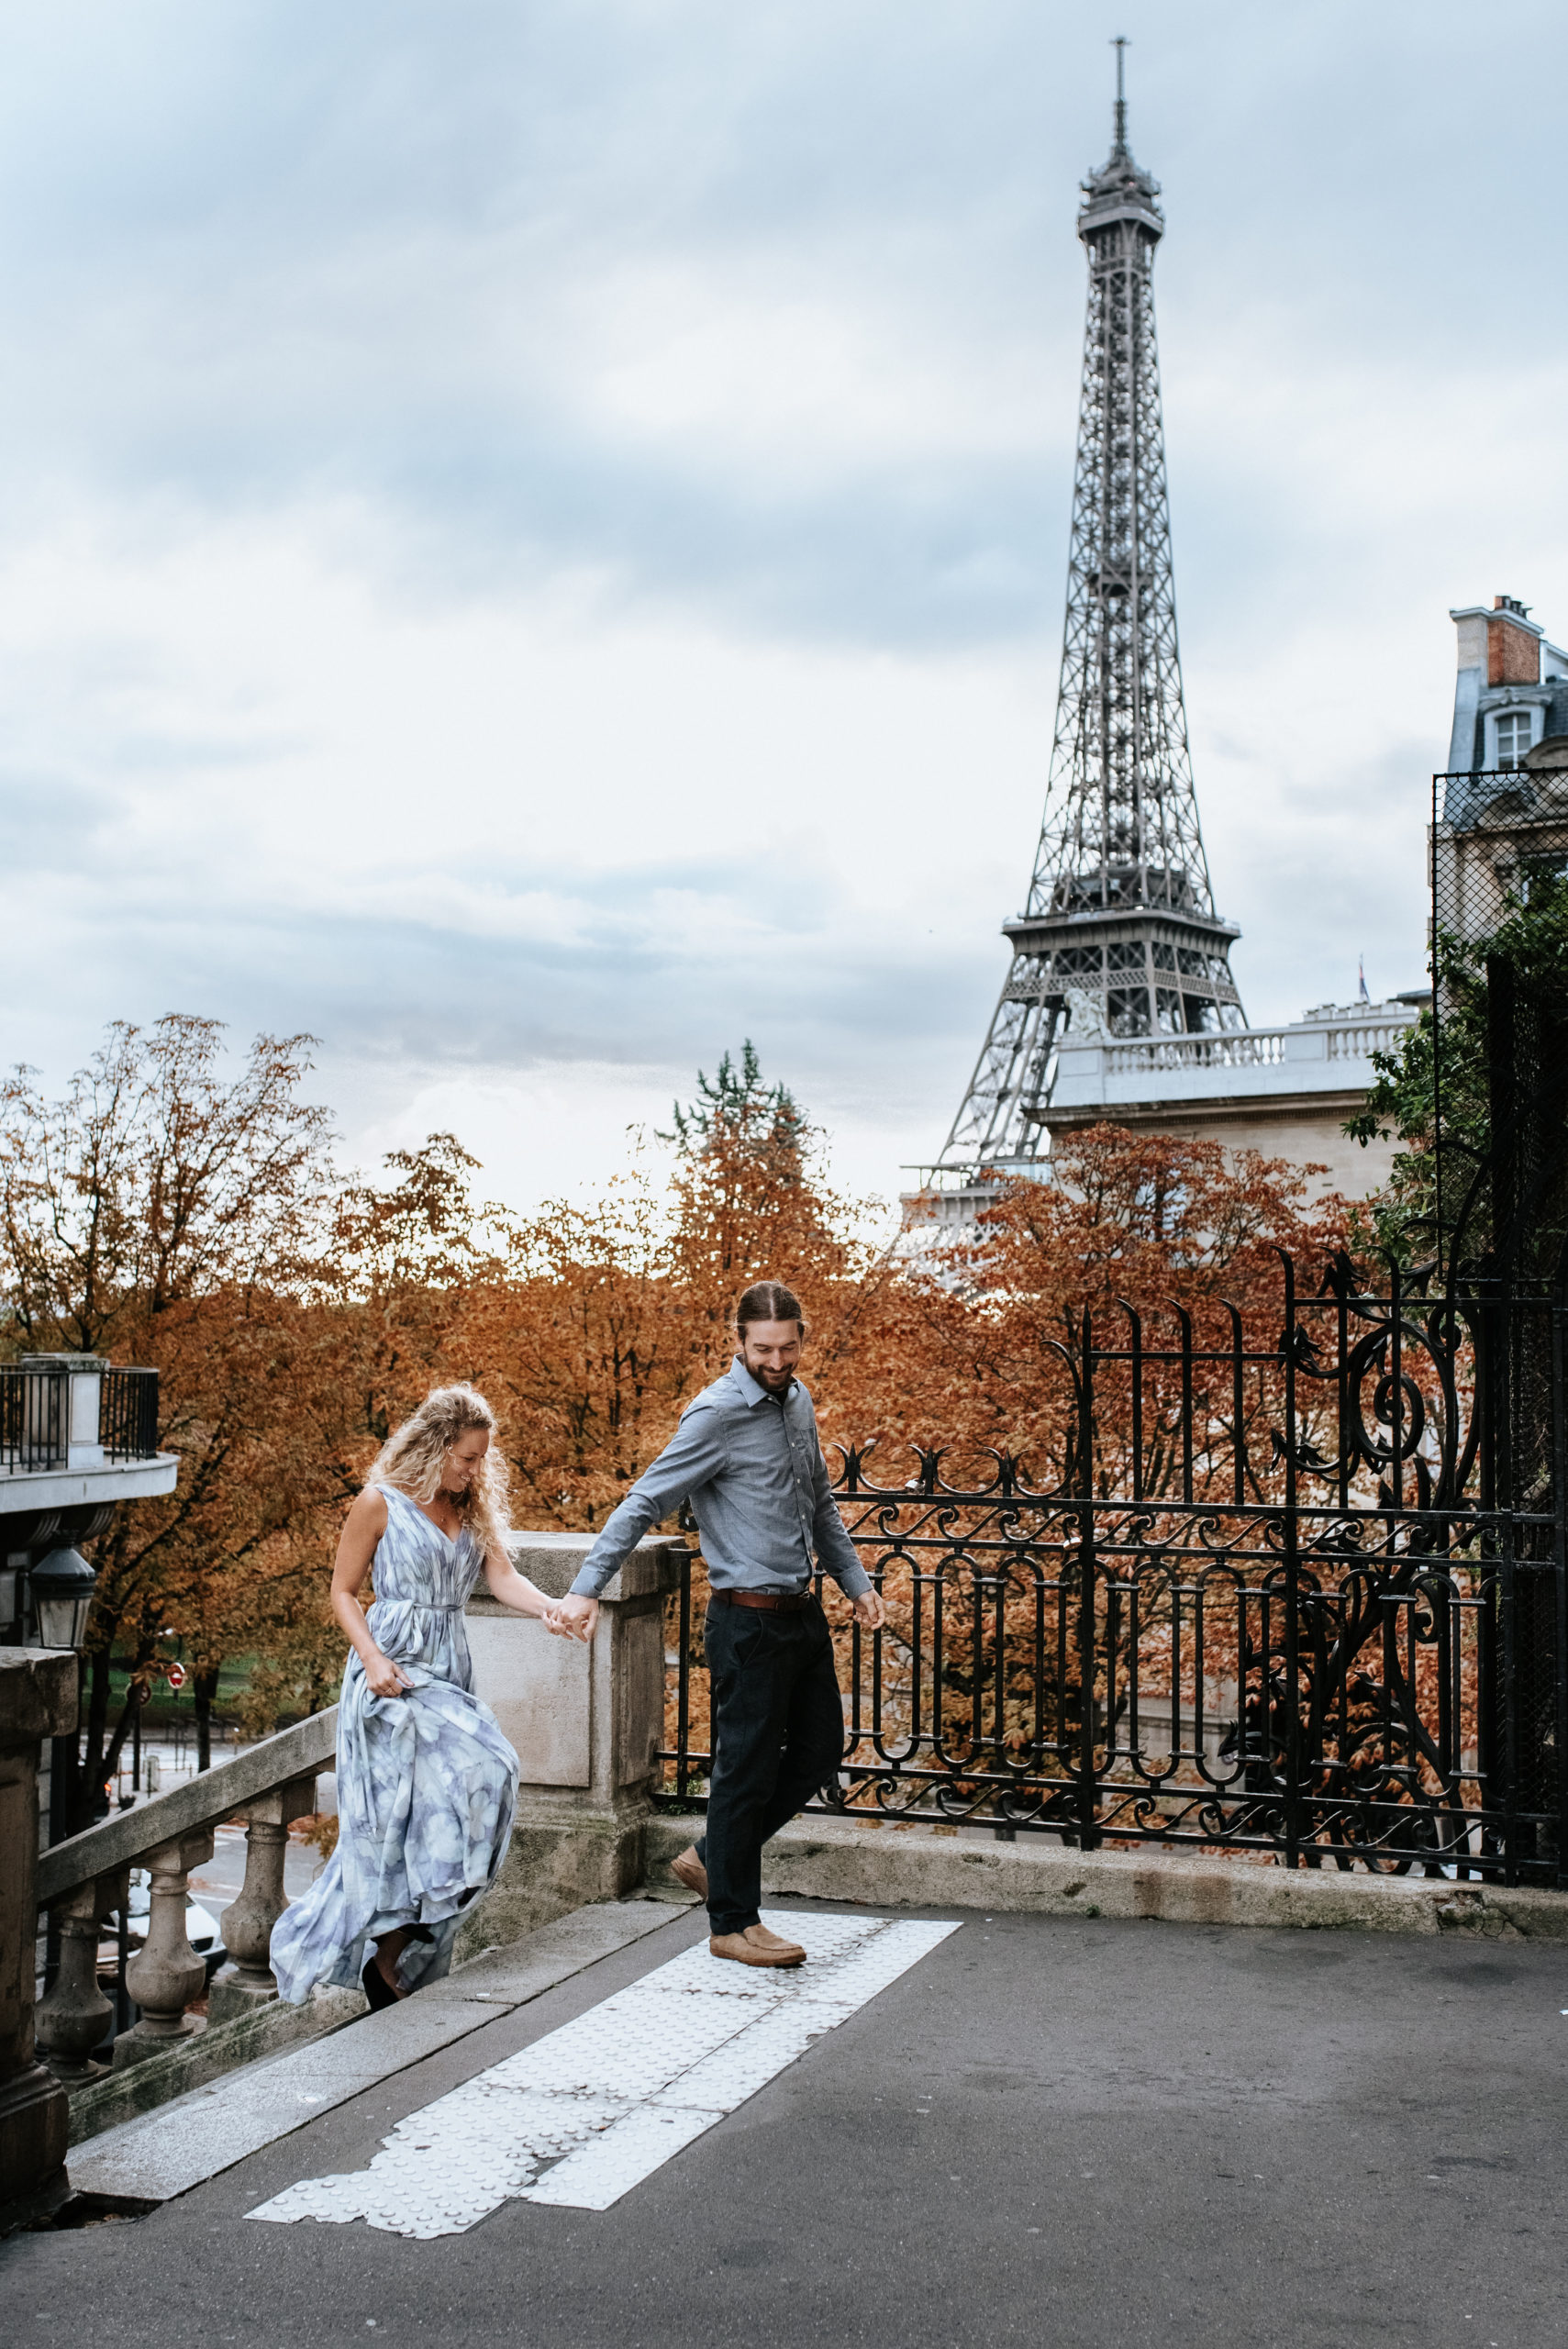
{"x": 248, "y": 1922}
{"x": 38, "y": 1699}
{"x": 586, "y": 1724}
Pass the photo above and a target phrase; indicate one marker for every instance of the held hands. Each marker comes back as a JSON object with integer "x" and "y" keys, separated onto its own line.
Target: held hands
{"x": 382, "y": 1676}
{"x": 564, "y": 1617}
{"x": 574, "y": 1619}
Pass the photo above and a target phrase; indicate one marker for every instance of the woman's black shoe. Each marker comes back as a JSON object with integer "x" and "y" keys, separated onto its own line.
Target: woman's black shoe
{"x": 376, "y": 1988}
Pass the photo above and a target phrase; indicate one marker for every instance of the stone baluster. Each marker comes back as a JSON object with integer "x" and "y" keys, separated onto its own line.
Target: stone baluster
{"x": 248, "y": 1922}
{"x": 73, "y": 2013}
{"x": 165, "y": 1973}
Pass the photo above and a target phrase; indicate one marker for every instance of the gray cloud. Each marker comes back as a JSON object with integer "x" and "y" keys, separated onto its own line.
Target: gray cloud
{"x": 762, "y": 322}
{"x": 293, "y": 252}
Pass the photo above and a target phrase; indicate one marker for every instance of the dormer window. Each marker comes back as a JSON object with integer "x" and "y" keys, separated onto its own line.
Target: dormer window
{"x": 1514, "y": 734}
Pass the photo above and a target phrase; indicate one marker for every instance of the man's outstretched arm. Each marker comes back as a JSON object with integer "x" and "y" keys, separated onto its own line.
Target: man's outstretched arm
{"x": 694, "y": 1455}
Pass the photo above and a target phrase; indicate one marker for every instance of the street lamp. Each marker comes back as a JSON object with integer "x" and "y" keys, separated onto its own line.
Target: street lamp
{"x": 62, "y": 1586}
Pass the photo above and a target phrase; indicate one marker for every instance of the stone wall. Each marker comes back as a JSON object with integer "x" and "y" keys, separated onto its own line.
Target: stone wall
{"x": 1305, "y": 1129}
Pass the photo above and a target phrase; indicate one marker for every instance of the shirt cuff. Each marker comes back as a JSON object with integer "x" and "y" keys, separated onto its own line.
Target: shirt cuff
{"x": 590, "y": 1582}
{"x": 853, "y": 1581}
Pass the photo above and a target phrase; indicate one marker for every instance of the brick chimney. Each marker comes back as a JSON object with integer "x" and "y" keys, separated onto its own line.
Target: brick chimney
{"x": 1497, "y": 648}
{"x": 1513, "y": 644}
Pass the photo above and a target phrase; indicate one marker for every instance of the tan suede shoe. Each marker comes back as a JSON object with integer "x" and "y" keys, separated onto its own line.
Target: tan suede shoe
{"x": 689, "y": 1870}
{"x": 756, "y": 1946}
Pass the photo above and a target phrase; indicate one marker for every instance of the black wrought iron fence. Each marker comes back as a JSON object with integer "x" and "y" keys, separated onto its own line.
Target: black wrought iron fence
{"x": 35, "y": 1419}
{"x": 1285, "y": 1597}
{"x": 127, "y": 1414}
{"x": 35, "y": 1416}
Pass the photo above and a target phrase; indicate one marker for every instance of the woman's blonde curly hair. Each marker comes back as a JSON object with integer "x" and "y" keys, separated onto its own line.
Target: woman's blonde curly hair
{"x": 414, "y": 1459}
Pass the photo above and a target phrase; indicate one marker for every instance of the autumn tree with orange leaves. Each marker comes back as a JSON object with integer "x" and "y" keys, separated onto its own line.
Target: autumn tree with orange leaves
{"x": 970, "y": 1343}
{"x": 597, "y": 1324}
{"x": 966, "y": 1354}
{"x": 170, "y": 1213}
{"x": 175, "y": 1211}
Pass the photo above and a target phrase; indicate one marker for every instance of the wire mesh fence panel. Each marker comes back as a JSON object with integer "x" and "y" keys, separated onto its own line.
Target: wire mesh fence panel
{"x": 1500, "y": 1018}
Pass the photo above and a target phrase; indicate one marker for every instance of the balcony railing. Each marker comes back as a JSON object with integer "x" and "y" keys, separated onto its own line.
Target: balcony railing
{"x": 1244, "y": 1048}
{"x": 74, "y": 1411}
{"x": 127, "y": 1414}
{"x": 1256, "y": 1047}
{"x": 35, "y": 1419}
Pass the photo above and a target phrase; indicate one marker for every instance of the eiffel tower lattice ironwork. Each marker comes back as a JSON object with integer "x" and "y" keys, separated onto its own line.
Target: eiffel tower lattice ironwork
{"x": 1119, "y": 937}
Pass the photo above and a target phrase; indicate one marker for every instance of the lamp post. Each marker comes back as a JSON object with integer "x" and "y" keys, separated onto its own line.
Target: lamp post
{"x": 62, "y": 1585}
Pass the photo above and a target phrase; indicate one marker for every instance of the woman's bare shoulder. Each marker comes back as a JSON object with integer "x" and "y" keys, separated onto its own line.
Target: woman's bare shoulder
{"x": 368, "y": 1510}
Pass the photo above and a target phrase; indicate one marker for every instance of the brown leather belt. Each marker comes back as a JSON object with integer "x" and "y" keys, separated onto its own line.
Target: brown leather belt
{"x": 772, "y": 1602}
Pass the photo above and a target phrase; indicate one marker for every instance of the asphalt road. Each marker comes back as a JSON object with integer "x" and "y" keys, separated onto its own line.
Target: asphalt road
{"x": 1077, "y": 2135}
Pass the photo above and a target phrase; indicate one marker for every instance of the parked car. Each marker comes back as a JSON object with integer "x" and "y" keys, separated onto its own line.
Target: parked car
{"x": 202, "y": 1930}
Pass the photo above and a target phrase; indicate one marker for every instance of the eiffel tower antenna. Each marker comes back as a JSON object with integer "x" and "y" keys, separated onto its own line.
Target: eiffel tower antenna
{"x": 1119, "y": 937}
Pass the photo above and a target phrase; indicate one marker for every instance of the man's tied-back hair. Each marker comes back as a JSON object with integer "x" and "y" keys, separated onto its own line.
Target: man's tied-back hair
{"x": 768, "y": 1301}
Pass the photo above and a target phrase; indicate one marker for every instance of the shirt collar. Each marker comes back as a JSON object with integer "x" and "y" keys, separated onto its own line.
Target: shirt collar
{"x": 750, "y": 1391}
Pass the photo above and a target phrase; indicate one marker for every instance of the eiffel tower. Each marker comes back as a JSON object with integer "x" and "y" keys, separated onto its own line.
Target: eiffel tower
{"x": 1119, "y": 937}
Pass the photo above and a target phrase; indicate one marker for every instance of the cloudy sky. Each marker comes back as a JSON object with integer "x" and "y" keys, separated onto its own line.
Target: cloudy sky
{"x": 532, "y": 536}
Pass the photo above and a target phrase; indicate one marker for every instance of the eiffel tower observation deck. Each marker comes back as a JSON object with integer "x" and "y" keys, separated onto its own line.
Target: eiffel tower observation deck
{"x": 1119, "y": 1002}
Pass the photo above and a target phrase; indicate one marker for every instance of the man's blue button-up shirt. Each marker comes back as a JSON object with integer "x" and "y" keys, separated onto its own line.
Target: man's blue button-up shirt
{"x": 751, "y": 1463}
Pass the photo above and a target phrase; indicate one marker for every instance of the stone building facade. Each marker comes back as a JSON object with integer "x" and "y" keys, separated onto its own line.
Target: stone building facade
{"x": 1283, "y": 1091}
{"x": 1502, "y": 817}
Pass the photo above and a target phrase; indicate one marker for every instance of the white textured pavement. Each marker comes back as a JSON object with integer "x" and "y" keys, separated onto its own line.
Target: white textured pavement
{"x": 165, "y": 2153}
{"x": 588, "y": 2111}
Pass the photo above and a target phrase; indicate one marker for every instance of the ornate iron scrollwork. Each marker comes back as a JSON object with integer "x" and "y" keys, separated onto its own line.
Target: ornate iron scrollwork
{"x": 1284, "y": 1628}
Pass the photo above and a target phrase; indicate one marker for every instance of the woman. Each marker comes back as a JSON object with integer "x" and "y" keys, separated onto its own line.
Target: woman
{"x": 426, "y": 1783}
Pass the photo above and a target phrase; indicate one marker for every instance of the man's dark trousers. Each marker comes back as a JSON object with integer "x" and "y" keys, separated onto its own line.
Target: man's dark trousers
{"x": 778, "y": 1735}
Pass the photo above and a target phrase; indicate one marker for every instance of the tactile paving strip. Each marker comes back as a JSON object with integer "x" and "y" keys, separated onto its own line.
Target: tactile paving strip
{"x": 587, "y": 2113}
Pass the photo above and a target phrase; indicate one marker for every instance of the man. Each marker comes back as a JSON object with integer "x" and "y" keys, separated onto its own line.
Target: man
{"x": 748, "y": 1458}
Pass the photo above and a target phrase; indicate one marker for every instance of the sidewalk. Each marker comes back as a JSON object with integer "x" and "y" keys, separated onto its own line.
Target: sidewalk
{"x": 1055, "y": 2131}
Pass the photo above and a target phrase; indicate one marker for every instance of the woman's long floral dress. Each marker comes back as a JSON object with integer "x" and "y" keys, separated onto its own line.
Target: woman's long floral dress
{"x": 427, "y": 1784}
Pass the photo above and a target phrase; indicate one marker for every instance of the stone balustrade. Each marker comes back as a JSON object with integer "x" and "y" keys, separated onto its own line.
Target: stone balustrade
{"x": 586, "y": 1723}
{"x": 85, "y": 1876}
{"x": 1320, "y": 1052}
